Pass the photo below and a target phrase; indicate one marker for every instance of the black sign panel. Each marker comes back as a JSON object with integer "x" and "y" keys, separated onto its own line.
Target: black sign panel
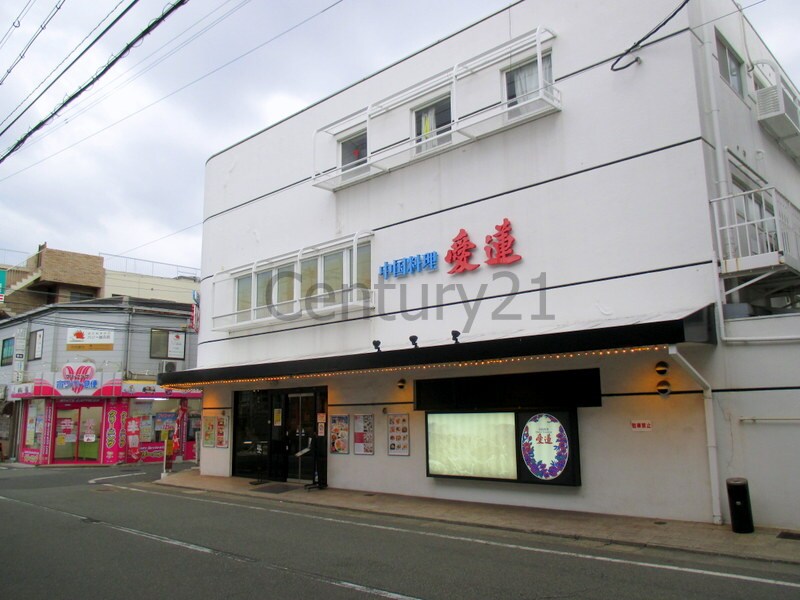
{"x": 548, "y": 449}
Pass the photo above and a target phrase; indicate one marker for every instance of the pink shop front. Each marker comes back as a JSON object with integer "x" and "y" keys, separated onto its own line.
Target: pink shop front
{"x": 74, "y": 417}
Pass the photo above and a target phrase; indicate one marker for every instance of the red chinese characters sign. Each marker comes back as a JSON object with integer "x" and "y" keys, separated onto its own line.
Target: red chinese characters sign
{"x": 499, "y": 249}
{"x": 460, "y": 254}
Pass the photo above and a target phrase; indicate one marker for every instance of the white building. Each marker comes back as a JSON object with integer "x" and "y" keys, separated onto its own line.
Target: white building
{"x": 621, "y": 218}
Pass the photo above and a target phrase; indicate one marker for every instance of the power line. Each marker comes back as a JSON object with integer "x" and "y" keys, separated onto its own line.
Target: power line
{"x": 103, "y": 92}
{"x": 16, "y": 23}
{"x": 180, "y": 89}
{"x": 61, "y": 63}
{"x": 145, "y": 32}
{"x": 69, "y": 66}
{"x": 27, "y": 46}
{"x": 93, "y": 100}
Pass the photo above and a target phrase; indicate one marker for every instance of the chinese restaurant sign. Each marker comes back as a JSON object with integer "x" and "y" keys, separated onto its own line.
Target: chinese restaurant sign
{"x": 409, "y": 265}
{"x": 498, "y": 250}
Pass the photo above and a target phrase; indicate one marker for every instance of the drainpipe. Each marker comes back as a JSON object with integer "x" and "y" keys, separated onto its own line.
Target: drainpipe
{"x": 125, "y": 375}
{"x": 711, "y": 432}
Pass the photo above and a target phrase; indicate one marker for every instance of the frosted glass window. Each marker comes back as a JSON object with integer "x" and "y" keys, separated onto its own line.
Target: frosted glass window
{"x": 478, "y": 445}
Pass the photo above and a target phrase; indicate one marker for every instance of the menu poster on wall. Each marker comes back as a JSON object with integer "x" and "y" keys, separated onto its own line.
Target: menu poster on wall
{"x": 221, "y": 432}
{"x": 340, "y": 434}
{"x": 399, "y": 434}
{"x": 209, "y": 425}
{"x": 363, "y": 434}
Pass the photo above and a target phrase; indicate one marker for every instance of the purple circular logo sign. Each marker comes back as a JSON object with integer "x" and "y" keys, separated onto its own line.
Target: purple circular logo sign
{"x": 545, "y": 447}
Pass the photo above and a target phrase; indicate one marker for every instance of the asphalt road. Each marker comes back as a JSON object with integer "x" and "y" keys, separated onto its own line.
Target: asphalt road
{"x": 105, "y": 533}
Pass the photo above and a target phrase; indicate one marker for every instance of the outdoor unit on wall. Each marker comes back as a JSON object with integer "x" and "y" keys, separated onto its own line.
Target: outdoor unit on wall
{"x": 779, "y": 111}
{"x": 169, "y": 366}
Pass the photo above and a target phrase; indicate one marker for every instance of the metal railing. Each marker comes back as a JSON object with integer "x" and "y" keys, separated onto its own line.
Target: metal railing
{"x": 138, "y": 266}
{"x": 757, "y": 229}
{"x": 23, "y": 270}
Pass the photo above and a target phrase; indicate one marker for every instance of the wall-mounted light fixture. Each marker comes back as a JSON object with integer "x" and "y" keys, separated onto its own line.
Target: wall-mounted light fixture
{"x": 455, "y": 335}
{"x": 401, "y": 383}
{"x": 377, "y": 345}
{"x": 662, "y": 367}
{"x": 413, "y": 339}
{"x": 663, "y": 388}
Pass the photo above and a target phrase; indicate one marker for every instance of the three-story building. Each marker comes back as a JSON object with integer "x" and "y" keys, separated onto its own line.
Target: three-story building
{"x": 521, "y": 266}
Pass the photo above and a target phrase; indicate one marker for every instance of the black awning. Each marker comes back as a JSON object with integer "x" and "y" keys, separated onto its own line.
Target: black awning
{"x": 553, "y": 389}
{"x": 697, "y": 326}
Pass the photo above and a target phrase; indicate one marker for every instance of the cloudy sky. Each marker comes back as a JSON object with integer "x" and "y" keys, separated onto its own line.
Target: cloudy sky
{"x": 120, "y": 170}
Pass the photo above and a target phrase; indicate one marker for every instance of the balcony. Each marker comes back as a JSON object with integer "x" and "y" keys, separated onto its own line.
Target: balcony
{"x": 779, "y": 112}
{"x": 498, "y": 114}
{"x": 758, "y": 233}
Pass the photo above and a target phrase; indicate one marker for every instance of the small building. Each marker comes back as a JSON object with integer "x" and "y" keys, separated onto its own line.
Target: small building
{"x": 84, "y": 382}
{"x": 523, "y": 266}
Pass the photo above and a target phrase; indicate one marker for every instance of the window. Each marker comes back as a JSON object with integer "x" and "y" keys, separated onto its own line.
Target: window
{"x": 244, "y": 297}
{"x": 522, "y": 84}
{"x": 322, "y": 280}
{"x": 78, "y": 296}
{"x": 8, "y": 352}
{"x": 35, "y": 344}
{"x": 354, "y": 151}
{"x": 431, "y": 122}
{"x": 34, "y": 424}
{"x": 730, "y": 66}
{"x": 165, "y": 343}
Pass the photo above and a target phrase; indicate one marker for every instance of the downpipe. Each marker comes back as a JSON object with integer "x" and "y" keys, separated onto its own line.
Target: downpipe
{"x": 711, "y": 432}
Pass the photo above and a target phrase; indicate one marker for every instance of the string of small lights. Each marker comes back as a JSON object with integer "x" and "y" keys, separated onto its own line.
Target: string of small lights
{"x": 427, "y": 367}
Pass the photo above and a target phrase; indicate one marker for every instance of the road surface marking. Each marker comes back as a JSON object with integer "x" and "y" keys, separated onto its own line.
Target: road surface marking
{"x": 116, "y": 476}
{"x": 579, "y": 555}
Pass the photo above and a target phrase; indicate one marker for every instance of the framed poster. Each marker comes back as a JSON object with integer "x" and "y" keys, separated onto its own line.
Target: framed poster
{"x": 399, "y": 434}
{"x": 340, "y": 434}
{"x": 363, "y": 434}
{"x": 221, "y": 432}
{"x": 209, "y": 425}
{"x": 548, "y": 447}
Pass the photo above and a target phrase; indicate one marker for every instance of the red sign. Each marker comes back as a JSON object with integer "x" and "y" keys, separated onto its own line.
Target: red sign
{"x": 460, "y": 254}
{"x": 499, "y": 249}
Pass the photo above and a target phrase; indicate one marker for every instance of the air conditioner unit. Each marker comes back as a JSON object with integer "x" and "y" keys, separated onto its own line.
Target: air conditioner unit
{"x": 169, "y": 366}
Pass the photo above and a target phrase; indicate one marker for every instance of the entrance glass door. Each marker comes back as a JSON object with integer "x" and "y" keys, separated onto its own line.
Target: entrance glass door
{"x": 300, "y": 422}
{"x": 77, "y": 434}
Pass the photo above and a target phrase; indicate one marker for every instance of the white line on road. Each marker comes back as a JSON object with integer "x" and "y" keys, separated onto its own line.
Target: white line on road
{"x": 206, "y": 550}
{"x": 456, "y": 538}
{"x": 116, "y": 476}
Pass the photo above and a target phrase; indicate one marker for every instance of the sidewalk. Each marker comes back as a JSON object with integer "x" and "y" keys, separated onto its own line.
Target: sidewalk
{"x": 763, "y": 544}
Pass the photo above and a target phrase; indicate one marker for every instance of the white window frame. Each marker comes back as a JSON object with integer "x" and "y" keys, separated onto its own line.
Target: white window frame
{"x": 439, "y": 135}
{"x": 729, "y": 62}
{"x": 546, "y": 79}
{"x": 346, "y": 166}
{"x": 316, "y": 301}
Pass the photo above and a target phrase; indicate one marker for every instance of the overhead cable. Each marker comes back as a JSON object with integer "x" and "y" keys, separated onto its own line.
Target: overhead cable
{"x": 27, "y": 47}
{"x": 636, "y": 46}
{"x": 103, "y": 20}
{"x": 144, "y": 33}
{"x": 16, "y": 23}
{"x": 44, "y": 91}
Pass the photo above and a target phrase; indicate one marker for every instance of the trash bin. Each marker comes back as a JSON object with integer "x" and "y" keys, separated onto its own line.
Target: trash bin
{"x": 739, "y": 502}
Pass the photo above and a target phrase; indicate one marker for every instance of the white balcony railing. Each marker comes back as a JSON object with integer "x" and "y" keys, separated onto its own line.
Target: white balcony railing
{"x": 757, "y": 230}
{"x": 464, "y": 128}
